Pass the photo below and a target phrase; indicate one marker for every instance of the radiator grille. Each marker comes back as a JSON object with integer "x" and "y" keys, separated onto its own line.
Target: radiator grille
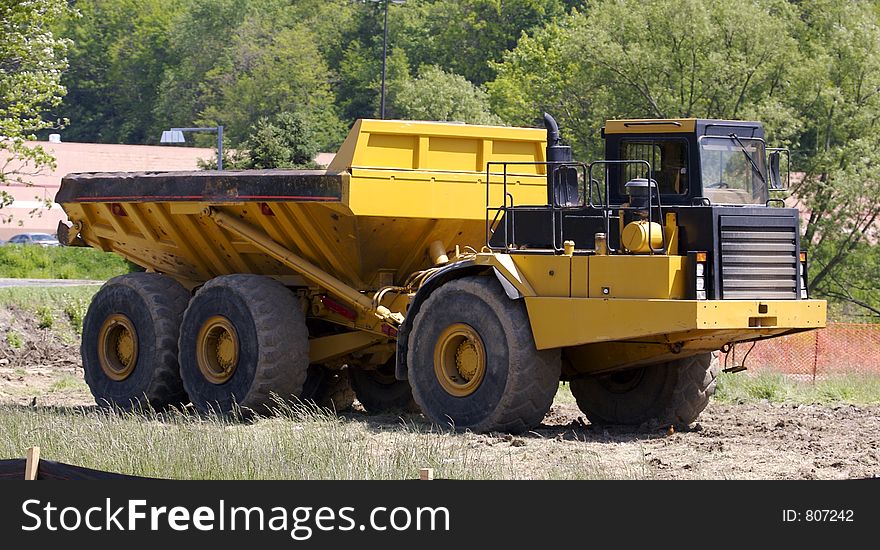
{"x": 758, "y": 263}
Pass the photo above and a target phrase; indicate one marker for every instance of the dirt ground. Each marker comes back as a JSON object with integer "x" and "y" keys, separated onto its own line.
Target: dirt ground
{"x": 757, "y": 440}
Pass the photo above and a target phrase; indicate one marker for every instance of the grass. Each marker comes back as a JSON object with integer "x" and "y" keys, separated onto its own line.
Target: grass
{"x": 59, "y": 262}
{"x": 69, "y": 298}
{"x": 563, "y": 395}
{"x": 75, "y": 310}
{"x": 303, "y": 442}
{"x": 857, "y": 389}
{"x": 45, "y": 319}
{"x": 14, "y": 340}
{"x": 299, "y": 442}
{"x": 779, "y": 388}
{"x": 57, "y": 309}
{"x": 67, "y": 383}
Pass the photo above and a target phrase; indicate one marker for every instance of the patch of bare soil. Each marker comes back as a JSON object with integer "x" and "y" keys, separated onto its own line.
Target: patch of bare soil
{"x": 758, "y": 440}
{"x": 39, "y": 364}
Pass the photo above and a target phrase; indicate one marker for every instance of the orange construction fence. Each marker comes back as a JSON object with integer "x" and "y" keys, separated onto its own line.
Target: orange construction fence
{"x": 840, "y": 348}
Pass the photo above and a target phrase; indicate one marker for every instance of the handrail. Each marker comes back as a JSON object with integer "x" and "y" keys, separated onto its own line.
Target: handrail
{"x": 507, "y": 213}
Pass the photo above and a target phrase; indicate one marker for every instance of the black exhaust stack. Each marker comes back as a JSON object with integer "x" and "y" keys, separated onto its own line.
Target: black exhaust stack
{"x": 557, "y": 153}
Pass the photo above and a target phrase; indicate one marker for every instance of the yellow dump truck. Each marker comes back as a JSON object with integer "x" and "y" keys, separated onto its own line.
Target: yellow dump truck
{"x": 466, "y": 268}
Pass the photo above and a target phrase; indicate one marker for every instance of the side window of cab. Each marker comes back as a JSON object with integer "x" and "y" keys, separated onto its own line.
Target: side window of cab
{"x": 668, "y": 159}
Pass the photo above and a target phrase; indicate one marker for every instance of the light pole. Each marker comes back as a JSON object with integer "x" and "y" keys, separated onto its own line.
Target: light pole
{"x": 385, "y": 48}
{"x": 175, "y": 135}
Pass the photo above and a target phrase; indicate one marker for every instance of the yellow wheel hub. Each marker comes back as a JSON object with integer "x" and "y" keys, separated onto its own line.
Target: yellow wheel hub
{"x": 217, "y": 349}
{"x": 117, "y": 347}
{"x": 460, "y": 360}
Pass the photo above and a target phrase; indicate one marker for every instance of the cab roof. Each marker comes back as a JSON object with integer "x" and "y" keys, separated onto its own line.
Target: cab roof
{"x": 700, "y": 126}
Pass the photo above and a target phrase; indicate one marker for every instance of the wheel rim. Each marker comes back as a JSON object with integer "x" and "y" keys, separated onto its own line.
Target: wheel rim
{"x": 460, "y": 360}
{"x": 117, "y": 347}
{"x": 217, "y": 349}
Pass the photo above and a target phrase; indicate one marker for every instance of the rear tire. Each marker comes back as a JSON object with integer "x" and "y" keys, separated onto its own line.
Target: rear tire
{"x": 668, "y": 394}
{"x": 473, "y": 363}
{"x": 129, "y": 342}
{"x": 243, "y": 339}
{"x": 380, "y": 391}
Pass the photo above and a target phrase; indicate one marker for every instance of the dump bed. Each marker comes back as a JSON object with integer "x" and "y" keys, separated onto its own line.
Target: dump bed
{"x": 393, "y": 188}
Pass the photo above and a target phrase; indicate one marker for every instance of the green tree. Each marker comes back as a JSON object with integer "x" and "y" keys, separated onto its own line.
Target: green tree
{"x": 120, "y": 52}
{"x": 32, "y": 59}
{"x": 439, "y": 95}
{"x": 285, "y": 141}
{"x": 838, "y": 94}
{"x": 357, "y": 60}
{"x": 464, "y": 36}
{"x": 461, "y": 37}
{"x": 271, "y": 68}
{"x": 653, "y": 58}
{"x": 198, "y": 36}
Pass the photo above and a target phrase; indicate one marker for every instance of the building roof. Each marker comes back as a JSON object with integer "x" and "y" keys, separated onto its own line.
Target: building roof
{"x": 34, "y": 209}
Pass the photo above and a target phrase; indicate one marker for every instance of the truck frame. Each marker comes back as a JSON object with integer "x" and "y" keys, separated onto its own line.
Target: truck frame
{"x": 463, "y": 269}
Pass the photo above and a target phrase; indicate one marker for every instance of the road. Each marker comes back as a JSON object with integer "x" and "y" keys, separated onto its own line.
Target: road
{"x": 47, "y": 282}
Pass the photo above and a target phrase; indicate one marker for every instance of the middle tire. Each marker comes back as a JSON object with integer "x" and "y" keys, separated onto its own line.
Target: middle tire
{"x": 242, "y": 339}
{"x": 472, "y": 360}
{"x": 379, "y": 391}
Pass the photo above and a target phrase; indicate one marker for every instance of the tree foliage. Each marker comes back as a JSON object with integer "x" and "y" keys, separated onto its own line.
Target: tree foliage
{"x": 138, "y": 67}
{"x": 287, "y": 140}
{"x": 465, "y": 36}
{"x": 120, "y": 51}
{"x": 269, "y": 70}
{"x": 32, "y": 58}
{"x": 838, "y": 96}
{"x": 439, "y": 95}
{"x": 198, "y": 35}
{"x": 653, "y": 59}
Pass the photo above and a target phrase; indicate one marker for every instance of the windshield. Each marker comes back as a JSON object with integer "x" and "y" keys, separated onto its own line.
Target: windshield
{"x": 43, "y": 237}
{"x": 733, "y": 170}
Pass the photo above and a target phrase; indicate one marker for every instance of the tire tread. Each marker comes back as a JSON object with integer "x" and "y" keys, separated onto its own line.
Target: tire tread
{"x": 166, "y": 300}
{"x": 533, "y": 375}
{"x": 282, "y": 335}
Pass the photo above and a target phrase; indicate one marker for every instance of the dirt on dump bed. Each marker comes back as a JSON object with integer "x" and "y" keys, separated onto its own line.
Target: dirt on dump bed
{"x": 756, "y": 440}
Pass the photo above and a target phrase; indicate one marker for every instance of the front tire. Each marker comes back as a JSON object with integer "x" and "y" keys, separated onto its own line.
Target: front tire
{"x": 473, "y": 363}
{"x": 129, "y": 342}
{"x": 668, "y": 394}
{"x": 243, "y": 339}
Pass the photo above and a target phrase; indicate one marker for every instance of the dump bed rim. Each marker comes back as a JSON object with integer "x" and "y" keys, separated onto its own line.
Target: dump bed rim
{"x": 204, "y": 185}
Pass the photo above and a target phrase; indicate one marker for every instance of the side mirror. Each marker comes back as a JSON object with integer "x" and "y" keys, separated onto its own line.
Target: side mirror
{"x": 773, "y": 160}
{"x": 775, "y": 179}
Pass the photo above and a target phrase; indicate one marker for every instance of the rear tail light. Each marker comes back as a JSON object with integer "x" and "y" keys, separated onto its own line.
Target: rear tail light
{"x": 701, "y": 272}
{"x": 802, "y": 275}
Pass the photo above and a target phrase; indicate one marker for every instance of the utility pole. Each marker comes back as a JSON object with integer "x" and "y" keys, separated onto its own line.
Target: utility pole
{"x": 385, "y": 50}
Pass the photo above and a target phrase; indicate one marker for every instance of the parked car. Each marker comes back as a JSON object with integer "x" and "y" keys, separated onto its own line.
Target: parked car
{"x": 39, "y": 239}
